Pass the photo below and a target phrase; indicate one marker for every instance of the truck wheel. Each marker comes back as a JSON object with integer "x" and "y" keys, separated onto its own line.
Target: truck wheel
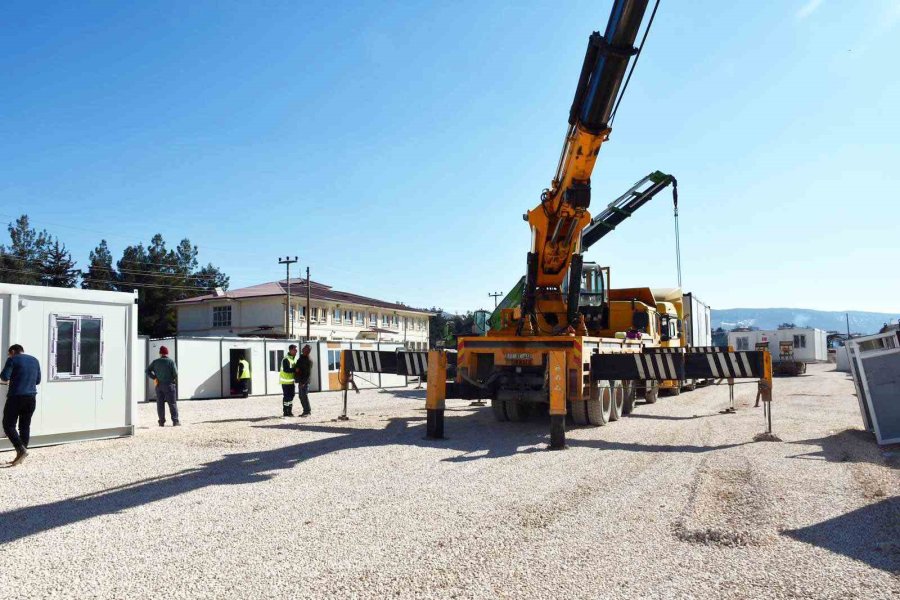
{"x": 692, "y": 386}
{"x": 579, "y": 412}
{"x": 629, "y": 392}
{"x": 499, "y": 409}
{"x": 516, "y": 410}
{"x": 652, "y": 393}
{"x": 618, "y": 399}
{"x": 599, "y": 406}
{"x": 675, "y": 391}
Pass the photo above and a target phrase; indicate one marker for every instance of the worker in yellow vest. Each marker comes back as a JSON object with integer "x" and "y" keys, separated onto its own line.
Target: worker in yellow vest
{"x": 286, "y": 377}
{"x": 243, "y": 377}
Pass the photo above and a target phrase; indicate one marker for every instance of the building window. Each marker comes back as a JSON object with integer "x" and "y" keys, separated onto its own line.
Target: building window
{"x": 221, "y": 316}
{"x": 800, "y": 341}
{"x": 334, "y": 360}
{"x": 303, "y": 312}
{"x": 743, "y": 343}
{"x": 348, "y": 317}
{"x": 384, "y": 320}
{"x": 359, "y": 317}
{"x": 336, "y": 315}
{"x": 396, "y": 321}
{"x": 373, "y": 319}
{"x": 314, "y": 314}
{"x": 275, "y": 358}
{"x": 76, "y": 347}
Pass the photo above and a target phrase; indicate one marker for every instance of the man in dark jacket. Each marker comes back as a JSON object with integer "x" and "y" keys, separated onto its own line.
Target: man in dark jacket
{"x": 302, "y": 374}
{"x": 23, "y": 374}
{"x": 164, "y": 371}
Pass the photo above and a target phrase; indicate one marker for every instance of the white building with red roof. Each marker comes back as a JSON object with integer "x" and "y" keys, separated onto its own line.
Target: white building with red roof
{"x": 260, "y": 311}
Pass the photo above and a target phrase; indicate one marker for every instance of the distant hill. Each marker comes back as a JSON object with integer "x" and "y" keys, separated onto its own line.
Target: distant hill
{"x": 771, "y": 318}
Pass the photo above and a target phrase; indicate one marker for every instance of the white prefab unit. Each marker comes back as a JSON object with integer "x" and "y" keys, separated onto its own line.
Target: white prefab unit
{"x": 86, "y": 342}
{"x": 207, "y": 366}
{"x": 810, "y": 344}
{"x": 697, "y": 321}
{"x": 875, "y": 366}
{"x": 841, "y": 359}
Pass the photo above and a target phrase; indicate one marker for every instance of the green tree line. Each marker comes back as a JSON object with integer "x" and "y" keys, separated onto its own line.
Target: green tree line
{"x": 161, "y": 275}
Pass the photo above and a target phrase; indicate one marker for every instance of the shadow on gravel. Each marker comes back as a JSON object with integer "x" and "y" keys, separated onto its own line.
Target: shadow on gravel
{"x": 670, "y": 418}
{"x": 849, "y": 445}
{"x": 246, "y": 420}
{"x": 412, "y": 394}
{"x": 474, "y": 435}
{"x": 870, "y": 534}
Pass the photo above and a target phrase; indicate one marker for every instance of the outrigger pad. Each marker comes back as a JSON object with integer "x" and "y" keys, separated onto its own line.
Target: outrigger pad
{"x": 653, "y": 364}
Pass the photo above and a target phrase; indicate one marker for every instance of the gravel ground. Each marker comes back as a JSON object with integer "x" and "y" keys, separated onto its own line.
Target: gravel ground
{"x": 676, "y": 501}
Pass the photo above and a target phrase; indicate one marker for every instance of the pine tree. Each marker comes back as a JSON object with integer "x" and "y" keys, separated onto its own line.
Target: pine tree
{"x": 22, "y": 260}
{"x": 59, "y": 269}
{"x": 100, "y": 274}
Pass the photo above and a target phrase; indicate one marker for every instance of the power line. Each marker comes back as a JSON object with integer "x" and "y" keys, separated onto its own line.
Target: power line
{"x": 210, "y": 278}
{"x": 116, "y": 283}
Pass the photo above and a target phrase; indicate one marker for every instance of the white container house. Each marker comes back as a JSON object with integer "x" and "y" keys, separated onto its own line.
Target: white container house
{"x": 207, "y": 366}
{"x": 810, "y": 345}
{"x": 85, "y": 341}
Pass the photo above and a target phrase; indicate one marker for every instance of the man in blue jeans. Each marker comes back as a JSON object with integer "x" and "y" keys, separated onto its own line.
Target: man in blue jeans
{"x": 164, "y": 371}
{"x": 23, "y": 374}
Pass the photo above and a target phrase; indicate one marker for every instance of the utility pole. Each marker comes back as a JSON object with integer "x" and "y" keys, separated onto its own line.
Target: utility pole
{"x": 495, "y": 295}
{"x": 307, "y": 304}
{"x": 848, "y": 324}
{"x": 288, "y": 326}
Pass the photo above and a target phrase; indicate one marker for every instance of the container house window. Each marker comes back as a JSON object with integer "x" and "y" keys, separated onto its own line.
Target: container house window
{"x": 275, "y": 358}
{"x": 800, "y": 341}
{"x": 334, "y": 360}
{"x": 221, "y": 316}
{"x": 743, "y": 343}
{"x": 76, "y": 347}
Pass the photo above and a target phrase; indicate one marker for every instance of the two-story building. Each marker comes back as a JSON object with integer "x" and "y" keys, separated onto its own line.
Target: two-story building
{"x": 261, "y": 311}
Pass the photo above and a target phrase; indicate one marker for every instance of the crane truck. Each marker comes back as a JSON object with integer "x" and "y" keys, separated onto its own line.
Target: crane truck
{"x": 539, "y": 355}
{"x": 553, "y": 350}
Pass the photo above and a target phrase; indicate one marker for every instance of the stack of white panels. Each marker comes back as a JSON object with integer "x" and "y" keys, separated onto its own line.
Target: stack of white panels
{"x": 875, "y": 366}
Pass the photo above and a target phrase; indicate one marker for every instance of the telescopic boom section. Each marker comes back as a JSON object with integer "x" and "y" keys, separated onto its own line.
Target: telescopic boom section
{"x": 558, "y": 221}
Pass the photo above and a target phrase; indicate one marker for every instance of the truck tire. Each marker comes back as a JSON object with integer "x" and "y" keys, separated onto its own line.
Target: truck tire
{"x": 618, "y": 399}
{"x": 498, "y": 407}
{"x": 629, "y": 389}
{"x": 579, "y": 412}
{"x": 691, "y": 386}
{"x": 652, "y": 393}
{"x": 599, "y": 407}
{"x": 516, "y": 410}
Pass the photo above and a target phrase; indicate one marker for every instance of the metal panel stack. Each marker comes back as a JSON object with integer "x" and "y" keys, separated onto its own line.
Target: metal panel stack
{"x": 875, "y": 367}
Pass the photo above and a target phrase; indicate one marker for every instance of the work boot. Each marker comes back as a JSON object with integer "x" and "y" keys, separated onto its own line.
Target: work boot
{"x": 162, "y": 423}
{"x": 288, "y": 413}
{"x": 176, "y": 423}
{"x": 305, "y": 414}
{"x": 20, "y": 456}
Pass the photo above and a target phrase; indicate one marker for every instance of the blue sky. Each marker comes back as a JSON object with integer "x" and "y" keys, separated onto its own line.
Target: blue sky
{"x": 394, "y": 146}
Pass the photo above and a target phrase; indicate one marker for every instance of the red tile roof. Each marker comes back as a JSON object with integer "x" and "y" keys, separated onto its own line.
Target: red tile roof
{"x": 317, "y": 291}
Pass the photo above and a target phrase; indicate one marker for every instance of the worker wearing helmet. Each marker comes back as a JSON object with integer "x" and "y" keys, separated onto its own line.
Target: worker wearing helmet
{"x": 286, "y": 378}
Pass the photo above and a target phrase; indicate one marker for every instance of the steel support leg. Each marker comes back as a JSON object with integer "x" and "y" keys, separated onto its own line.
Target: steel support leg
{"x": 436, "y": 394}
{"x": 557, "y": 366}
